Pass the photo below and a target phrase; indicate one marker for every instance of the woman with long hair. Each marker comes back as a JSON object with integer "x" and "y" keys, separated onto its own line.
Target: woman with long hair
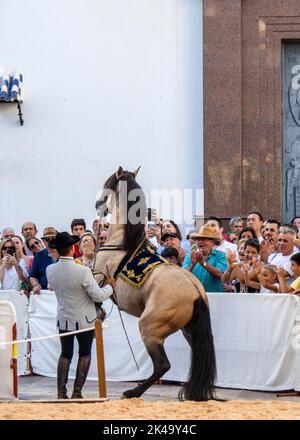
{"x": 13, "y": 271}
{"x": 19, "y": 245}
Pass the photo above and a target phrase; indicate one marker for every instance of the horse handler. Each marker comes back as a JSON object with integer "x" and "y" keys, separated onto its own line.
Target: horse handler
{"x": 76, "y": 292}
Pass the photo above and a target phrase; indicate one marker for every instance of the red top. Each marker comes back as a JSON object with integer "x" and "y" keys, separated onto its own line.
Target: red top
{"x": 77, "y": 252}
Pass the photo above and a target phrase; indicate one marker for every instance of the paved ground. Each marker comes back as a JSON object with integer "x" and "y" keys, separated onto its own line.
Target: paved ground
{"x": 44, "y": 388}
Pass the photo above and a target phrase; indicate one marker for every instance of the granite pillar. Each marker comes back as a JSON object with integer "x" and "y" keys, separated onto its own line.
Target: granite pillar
{"x": 243, "y": 144}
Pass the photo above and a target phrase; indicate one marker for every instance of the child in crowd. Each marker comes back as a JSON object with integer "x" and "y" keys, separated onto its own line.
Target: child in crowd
{"x": 171, "y": 255}
{"x": 281, "y": 273}
{"x": 267, "y": 277}
{"x": 245, "y": 272}
{"x": 230, "y": 282}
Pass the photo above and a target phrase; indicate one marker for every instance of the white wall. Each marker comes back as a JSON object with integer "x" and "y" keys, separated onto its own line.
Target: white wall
{"x": 106, "y": 83}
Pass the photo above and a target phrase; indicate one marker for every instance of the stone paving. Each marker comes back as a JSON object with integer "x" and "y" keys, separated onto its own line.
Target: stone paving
{"x": 44, "y": 388}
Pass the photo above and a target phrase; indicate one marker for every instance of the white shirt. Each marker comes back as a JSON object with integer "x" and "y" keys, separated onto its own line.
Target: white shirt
{"x": 265, "y": 290}
{"x": 280, "y": 260}
{"x": 225, "y": 245}
{"x": 11, "y": 279}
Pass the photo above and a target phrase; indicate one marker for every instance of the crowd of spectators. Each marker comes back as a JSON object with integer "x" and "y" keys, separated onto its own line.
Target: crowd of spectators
{"x": 24, "y": 259}
{"x": 252, "y": 256}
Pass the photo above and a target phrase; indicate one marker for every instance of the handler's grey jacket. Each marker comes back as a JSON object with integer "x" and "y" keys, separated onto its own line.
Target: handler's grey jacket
{"x": 76, "y": 292}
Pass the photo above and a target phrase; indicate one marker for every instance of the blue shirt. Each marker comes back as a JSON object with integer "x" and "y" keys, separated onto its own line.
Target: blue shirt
{"x": 217, "y": 259}
{"x": 41, "y": 260}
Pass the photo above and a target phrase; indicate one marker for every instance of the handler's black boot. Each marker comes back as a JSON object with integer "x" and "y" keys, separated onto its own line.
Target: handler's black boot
{"x": 83, "y": 367}
{"x": 63, "y": 367}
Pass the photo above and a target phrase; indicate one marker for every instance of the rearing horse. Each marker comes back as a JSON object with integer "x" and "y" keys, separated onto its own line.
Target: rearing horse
{"x": 170, "y": 299}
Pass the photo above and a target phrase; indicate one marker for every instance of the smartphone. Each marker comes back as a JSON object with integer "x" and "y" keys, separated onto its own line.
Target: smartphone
{"x": 151, "y": 225}
{"x": 194, "y": 248}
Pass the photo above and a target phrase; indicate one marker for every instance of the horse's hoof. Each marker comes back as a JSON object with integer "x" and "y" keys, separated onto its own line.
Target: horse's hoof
{"x": 127, "y": 395}
{"x": 130, "y": 394}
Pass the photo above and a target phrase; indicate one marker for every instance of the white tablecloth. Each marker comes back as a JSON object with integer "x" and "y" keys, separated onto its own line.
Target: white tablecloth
{"x": 253, "y": 336}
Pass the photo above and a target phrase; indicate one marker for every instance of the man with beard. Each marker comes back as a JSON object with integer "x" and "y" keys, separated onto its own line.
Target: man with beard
{"x": 269, "y": 245}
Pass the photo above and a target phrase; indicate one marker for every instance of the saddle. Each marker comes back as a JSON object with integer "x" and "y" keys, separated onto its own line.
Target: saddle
{"x": 138, "y": 269}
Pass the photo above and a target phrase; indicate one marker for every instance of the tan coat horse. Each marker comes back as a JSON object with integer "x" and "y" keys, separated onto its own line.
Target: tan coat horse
{"x": 170, "y": 299}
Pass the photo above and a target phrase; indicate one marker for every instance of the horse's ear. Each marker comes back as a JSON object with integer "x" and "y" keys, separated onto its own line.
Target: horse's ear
{"x": 136, "y": 171}
{"x": 119, "y": 173}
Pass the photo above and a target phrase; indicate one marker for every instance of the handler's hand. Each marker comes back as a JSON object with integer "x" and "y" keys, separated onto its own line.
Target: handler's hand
{"x": 37, "y": 289}
{"x": 111, "y": 281}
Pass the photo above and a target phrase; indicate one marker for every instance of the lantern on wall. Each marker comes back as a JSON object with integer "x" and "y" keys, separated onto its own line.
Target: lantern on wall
{"x": 11, "y": 90}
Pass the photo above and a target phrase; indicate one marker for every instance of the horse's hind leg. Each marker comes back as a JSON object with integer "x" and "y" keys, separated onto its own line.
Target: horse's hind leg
{"x": 161, "y": 365}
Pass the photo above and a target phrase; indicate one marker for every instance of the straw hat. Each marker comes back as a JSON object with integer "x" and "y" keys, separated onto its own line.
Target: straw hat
{"x": 49, "y": 232}
{"x": 205, "y": 232}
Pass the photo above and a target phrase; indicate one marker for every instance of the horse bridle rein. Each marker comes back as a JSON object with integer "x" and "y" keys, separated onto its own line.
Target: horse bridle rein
{"x": 114, "y": 296}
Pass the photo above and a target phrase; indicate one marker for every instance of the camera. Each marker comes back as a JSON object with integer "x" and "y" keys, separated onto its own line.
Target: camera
{"x": 11, "y": 251}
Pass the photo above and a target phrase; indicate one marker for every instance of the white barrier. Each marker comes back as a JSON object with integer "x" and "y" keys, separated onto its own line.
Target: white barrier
{"x": 253, "y": 336}
{"x": 8, "y": 357}
{"x": 252, "y": 332}
{"x": 21, "y": 304}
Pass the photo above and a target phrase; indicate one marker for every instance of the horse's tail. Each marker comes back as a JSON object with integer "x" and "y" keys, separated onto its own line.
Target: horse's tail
{"x": 202, "y": 375}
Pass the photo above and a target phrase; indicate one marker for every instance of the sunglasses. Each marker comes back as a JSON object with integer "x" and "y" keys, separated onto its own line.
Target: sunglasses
{"x": 6, "y": 248}
{"x": 36, "y": 243}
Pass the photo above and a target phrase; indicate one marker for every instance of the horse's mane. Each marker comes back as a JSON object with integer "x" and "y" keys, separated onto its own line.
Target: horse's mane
{"x": 134, "y": 233}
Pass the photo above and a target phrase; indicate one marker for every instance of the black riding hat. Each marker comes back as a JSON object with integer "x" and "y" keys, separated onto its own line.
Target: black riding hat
{"x": 63, "y": 240}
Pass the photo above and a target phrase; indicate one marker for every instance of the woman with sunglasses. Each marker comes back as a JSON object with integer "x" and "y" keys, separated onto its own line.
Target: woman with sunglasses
{"x": 13, "y": 271}
{"x": 35, "y": 245}
{"x": 20, "y": 252}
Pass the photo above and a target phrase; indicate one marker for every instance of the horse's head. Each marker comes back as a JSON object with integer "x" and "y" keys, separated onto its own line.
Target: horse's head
{"x": 110, "y": 194}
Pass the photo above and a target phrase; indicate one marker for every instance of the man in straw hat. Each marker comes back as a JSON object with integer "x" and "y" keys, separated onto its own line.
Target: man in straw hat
{"x": 76, "y": 291}
{"x": 205, "y": 262}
